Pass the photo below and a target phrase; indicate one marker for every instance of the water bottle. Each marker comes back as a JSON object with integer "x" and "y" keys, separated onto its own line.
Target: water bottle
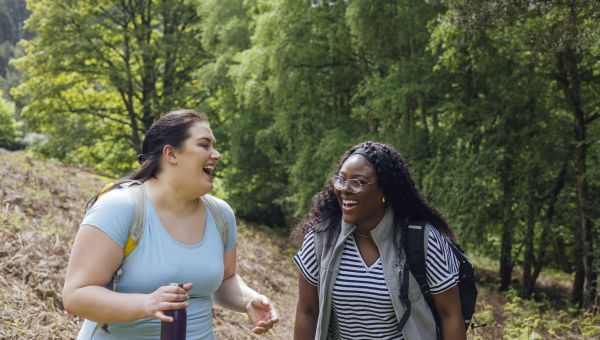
{"x": 174, "y": 330}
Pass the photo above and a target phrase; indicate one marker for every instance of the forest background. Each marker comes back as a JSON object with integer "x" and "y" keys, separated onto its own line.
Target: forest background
{"x": 495, "y": 105}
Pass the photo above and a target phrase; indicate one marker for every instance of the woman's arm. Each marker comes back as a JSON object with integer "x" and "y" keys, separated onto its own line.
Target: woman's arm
{"x": 307, "y": 310}
{"x": 447, "y": 304}
{"x": 236, "y": 295}
{"x": 94, "y": 259}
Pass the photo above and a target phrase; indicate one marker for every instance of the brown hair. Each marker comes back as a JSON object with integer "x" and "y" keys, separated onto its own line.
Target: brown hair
{"x": 170, "y": 129}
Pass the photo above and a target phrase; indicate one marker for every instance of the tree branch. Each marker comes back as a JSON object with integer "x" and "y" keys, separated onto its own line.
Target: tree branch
{"x": 592, "y": 117}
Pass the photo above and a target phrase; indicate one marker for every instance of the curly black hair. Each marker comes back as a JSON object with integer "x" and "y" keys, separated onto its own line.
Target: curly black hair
{"x": 398, "y": 188}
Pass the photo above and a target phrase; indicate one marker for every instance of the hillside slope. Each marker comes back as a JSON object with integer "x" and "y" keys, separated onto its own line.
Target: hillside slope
{"x": 42, "y": 204}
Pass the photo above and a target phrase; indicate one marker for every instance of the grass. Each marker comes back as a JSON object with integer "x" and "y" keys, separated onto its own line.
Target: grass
{"x": 42, "y": 203}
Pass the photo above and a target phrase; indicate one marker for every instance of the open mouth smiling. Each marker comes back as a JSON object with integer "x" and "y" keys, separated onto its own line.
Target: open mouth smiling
{"x": 349, "y": 203}
{"x": 208, "y": 169}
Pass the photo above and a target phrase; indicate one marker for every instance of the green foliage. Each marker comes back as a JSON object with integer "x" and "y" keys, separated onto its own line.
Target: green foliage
{"x": 107, "y": 70}
{"x": 527, "y": 319}
{"x": 310, "y": 86}
{"x": 10, "y": 128}
{"x": 476, "y": 95}
{"x": 12, "y": 220}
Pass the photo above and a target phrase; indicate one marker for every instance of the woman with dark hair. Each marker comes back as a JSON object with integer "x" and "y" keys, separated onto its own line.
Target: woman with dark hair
{"x": 181, "y": 242}
{"x": 352, "y": 262}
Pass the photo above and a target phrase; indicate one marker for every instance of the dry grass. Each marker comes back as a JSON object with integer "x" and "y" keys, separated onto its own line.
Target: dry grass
{"x": 42, "y": 203}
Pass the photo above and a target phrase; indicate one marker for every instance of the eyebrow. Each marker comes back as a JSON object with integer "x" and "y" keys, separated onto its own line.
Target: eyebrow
{"x": 365, "y": 176}
{"x": 207, "y": 139}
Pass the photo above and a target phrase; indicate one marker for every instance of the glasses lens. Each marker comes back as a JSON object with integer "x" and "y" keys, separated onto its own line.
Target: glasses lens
{"x": 354, "y": 185}
{"x": 338, "y": 182}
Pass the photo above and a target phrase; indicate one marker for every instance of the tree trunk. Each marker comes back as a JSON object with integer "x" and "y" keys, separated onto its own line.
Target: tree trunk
{"x": 578, "y": 283}
{"x": 170, "y": 56}
{"x": 128, "y": 91}
{"x": 506, "y": 261}
{"x": 529, "y": 259}
{"x": 144, "y": 38}
{"x": 570, "y": 82}
{"x": 561, "y": 255}
{"x": 425, "y": 126}
{"x": 559, "y": 183}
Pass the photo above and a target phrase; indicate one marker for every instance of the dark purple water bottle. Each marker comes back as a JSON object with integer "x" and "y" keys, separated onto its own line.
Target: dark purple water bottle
{"x": 174, "y": 330}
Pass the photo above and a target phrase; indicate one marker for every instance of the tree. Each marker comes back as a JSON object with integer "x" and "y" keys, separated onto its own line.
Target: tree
{"x": 108, "y": 69}
{"x": 565, "y": 55}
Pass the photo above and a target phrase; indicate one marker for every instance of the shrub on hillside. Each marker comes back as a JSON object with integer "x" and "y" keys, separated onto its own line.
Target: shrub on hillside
{"x": 9, "y": 126}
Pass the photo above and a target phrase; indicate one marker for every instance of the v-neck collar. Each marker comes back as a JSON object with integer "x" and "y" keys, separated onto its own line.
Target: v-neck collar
{"x": 362, "y": 260}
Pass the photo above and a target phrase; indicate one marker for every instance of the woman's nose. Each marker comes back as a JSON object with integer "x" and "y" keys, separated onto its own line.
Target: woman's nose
{"x": 215, "y": 154}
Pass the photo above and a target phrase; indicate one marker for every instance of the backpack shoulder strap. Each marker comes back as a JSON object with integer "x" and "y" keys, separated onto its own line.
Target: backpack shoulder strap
{"x": 219, "y": 215}
{"x": 137, "y": 193}
{"x": 416, "y": 252}
{"x": 415, "y": 247}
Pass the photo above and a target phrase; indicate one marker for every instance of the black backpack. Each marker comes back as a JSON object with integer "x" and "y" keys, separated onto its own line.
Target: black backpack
{"x": 414, "y": 246}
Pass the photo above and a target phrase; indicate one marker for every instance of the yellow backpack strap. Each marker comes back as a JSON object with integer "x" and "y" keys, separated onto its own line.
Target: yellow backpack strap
{"x": 137, "y": 193}
{"x": 219, "y": 215}
{"x": 106, "y": 189}
{"x": 136, "y": 229}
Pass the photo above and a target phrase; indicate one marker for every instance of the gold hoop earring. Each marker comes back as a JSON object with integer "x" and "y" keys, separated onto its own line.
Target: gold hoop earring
{"x": 383, "y": 200}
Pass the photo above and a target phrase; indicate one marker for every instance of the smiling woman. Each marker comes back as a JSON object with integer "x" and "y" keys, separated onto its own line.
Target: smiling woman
{"x": 352, "y": 265}
{"x": 181, "y": 242}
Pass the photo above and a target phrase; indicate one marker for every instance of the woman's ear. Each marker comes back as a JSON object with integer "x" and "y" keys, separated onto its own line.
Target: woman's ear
{"x": 168, "y": 152}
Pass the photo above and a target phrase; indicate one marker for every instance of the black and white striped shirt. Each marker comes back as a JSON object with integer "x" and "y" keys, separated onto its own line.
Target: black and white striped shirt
{"x": 361, "y": 304}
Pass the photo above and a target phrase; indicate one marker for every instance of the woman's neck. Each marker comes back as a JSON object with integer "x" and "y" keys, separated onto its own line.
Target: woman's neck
{"x": 364, "y": 227}
{"x": 174, "y": 198}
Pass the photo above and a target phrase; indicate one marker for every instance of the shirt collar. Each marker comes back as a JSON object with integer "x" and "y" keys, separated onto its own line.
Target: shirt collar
{"x": 382, "y": 230}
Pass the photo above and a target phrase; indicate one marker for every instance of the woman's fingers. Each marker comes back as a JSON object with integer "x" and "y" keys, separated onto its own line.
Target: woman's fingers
{"x": 177, "y": 297}
{"x": 264, "y": 326}
{"x": 262, "y": 313}
{"x": 274, "y": 316}
{"x": 167, "y": 298}
{"x": 160, "y": 315}
{"x": 260, "y": 330}
{"x": 165, "y": 306}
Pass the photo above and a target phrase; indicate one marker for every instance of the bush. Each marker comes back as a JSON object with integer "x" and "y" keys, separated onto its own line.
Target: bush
{"x": 9, "y": 126}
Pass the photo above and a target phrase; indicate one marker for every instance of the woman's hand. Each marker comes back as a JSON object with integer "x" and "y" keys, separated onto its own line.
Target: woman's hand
{"x": 166, "y": 298}
{"x": 262, "y": 314}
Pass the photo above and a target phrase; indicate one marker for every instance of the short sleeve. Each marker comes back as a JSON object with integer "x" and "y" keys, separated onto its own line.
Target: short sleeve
{"x": 231, "y": 224}
{"x": 306, "y": 259}
{"x": 112, "y": 213}
{"x": 441, "y": 263}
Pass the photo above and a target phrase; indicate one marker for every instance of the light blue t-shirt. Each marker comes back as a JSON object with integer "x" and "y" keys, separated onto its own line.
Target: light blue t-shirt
{"x": 159, "y": 260}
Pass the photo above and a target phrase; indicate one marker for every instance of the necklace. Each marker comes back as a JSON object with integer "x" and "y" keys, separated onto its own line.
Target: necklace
{"x": 361, "y": 235}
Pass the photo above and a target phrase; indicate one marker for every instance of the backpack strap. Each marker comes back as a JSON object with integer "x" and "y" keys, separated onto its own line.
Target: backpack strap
{"x": 215, "y": 209}
{"x": 137, "y": 193}
{"x": 135, "y": 190}
{"x": 416, "y": 253}
{"x": 415, "y": 247}
{"x": 404, "y": 297}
